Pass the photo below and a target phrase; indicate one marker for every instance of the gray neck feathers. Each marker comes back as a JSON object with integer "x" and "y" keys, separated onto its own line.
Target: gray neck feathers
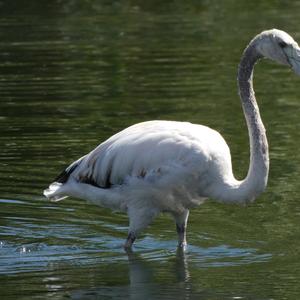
{"x": 257, "y": 176}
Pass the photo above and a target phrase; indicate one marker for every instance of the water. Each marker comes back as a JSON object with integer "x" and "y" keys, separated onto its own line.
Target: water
{"x": 72, "y": 73}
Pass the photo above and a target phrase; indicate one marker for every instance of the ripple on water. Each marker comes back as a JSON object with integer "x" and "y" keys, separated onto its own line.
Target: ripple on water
{"x": 38, "y": 256}
{"x": 74, "y": 235}
{"x": 217, "y": 256}
{"x": 12, "y": 201}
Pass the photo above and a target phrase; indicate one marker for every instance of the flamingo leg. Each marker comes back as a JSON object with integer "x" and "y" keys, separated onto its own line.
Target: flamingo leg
{"x": 181, "y": 224}
{"x": 138, "y": 220}
{"x": 129, "y": 241}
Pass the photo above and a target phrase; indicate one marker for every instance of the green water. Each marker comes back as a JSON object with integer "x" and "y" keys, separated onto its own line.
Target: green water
{"x": 72, "y": 73}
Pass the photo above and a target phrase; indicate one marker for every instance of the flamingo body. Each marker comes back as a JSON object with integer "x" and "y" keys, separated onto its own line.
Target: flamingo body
{"x": 165, "y": 154}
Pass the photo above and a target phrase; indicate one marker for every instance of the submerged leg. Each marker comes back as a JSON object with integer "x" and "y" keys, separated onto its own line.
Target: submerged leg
{"x": 129, "y": 241}
{"x": 139, "y": 219}
{"x": 181, "y": 224}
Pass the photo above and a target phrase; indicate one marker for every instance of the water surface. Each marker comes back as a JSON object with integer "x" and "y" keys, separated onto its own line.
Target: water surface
{"x": 72, "y": 73}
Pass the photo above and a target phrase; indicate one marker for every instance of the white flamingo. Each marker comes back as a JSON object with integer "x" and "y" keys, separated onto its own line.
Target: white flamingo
{"x": 168, "y": 166}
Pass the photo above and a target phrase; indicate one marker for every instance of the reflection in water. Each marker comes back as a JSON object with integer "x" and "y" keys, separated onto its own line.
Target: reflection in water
{"x": 144, "y": 279}
{"x": 142, "y": 282}
{"x": 181, "y": 266}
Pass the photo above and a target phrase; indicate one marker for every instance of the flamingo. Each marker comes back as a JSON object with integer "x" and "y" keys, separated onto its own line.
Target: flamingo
{"x": 168, "y": 166}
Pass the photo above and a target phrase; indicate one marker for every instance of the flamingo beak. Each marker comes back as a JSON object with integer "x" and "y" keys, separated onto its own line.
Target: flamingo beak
{"x": 293, "y": 56}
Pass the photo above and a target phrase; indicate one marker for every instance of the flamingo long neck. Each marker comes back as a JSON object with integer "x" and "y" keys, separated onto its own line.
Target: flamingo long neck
{"x": 257, "y": 177}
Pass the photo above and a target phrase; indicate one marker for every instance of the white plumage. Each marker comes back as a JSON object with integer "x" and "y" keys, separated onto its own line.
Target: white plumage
{"x": 167, "y": 166}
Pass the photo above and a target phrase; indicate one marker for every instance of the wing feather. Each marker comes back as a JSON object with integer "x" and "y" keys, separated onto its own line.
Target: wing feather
{"x": 142, "y": 149}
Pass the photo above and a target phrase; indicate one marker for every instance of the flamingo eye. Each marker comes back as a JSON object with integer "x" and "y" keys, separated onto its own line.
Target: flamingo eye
{"x": 282, "y": 44}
